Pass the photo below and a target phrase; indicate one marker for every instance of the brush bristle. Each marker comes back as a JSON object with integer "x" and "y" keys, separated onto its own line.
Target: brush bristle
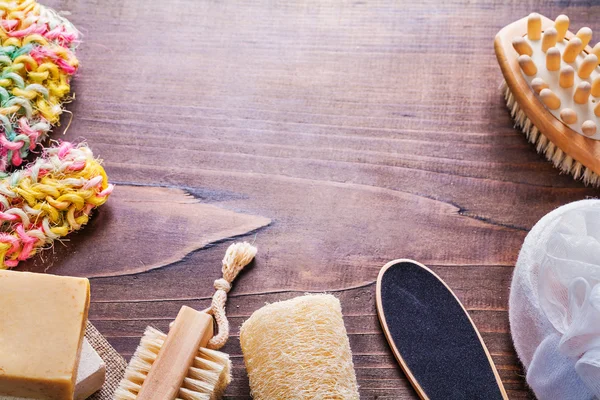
{"x": 206, "y": 379}
{"x": 543, "y": 145}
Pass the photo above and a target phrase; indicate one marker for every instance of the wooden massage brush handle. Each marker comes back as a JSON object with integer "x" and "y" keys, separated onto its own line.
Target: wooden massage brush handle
{"x": 191, "y": 330}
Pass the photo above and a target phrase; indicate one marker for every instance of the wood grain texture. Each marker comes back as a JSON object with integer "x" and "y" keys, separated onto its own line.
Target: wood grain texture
{"x": 143, "y": 228}
{"x": 365, "y": 130}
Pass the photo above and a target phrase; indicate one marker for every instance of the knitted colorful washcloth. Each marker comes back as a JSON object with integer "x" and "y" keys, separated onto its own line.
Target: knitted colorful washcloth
{"x": 50, "y": 198}
{"x": 36, "y": 65}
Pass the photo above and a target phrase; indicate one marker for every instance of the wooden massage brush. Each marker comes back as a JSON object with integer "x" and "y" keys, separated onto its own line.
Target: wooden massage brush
{"x": 552, "y": 89}
{"x": 178, "y": 365}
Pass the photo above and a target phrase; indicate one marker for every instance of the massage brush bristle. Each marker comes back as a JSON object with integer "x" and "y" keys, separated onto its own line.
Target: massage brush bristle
{"x": 179, "y": 365}
{"x": 552, "y": 89}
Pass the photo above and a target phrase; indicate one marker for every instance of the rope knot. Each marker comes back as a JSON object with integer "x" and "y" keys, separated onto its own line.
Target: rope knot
{"x": 222, "y": 284}
{"x": 238, "y": 255}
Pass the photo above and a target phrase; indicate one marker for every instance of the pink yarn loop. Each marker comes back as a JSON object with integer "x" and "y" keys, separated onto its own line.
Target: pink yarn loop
{"x": 31, "y": 29}
{"x": 7, "y": 217}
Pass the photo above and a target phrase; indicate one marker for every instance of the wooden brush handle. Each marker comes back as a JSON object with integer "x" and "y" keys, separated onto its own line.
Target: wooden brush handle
{"x": 190, "y": 331}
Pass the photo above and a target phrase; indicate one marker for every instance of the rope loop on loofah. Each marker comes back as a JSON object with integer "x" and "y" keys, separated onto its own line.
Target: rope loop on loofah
{"x": 238, "y": 255}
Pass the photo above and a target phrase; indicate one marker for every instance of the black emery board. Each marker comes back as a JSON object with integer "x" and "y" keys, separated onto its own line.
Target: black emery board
{"x": 432, "y": 336}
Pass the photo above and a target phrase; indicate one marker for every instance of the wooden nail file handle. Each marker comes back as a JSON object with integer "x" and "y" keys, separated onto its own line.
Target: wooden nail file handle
{"x": 191, "y": 330}
{"x": 432, "y": 336}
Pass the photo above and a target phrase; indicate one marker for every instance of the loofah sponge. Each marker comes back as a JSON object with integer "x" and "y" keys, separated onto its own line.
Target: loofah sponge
{"x": 37, "y": 62}
{"x": 298, "y": 349}
{"x": 56, "y": 194}
{"x": 49, "y": 199}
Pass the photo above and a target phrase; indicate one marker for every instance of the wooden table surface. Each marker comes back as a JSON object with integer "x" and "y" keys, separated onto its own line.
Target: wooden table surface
{"x": 337, "y": 135}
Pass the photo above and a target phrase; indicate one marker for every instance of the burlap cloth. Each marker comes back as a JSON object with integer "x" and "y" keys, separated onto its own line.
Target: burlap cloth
{"x": 115, "y": 364}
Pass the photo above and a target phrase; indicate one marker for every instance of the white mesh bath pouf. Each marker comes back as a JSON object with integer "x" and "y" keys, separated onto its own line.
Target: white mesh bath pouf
{"x": 554, "y": 304}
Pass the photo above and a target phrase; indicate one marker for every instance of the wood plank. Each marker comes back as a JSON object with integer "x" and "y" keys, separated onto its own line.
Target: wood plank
{"x": 365, "y": 131}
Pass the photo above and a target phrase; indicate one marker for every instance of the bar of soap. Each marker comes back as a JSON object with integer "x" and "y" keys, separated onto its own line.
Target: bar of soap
{"x": 91, "y": 374}
{"x": 42, "y": 323}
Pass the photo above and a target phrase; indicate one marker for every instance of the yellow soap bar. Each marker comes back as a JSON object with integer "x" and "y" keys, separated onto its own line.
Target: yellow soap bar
{"x": 42, "y": 323}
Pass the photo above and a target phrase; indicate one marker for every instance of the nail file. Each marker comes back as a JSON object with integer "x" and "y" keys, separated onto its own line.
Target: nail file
{"x": 432, "y": 336}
